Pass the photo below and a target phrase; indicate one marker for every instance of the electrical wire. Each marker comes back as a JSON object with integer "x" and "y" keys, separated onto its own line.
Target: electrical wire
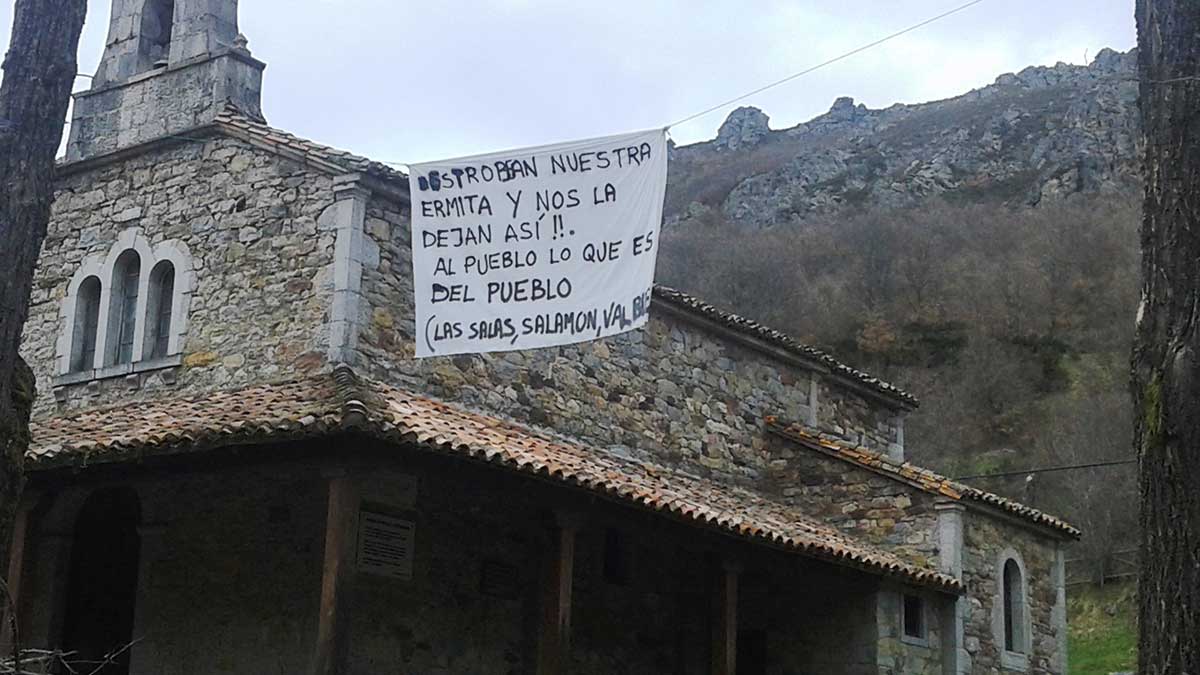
{"x": 823, "y": 64}
{"x": 802, "y": 73}
{"x": 784, "y": 80}
{"x": 1069, "y": 467}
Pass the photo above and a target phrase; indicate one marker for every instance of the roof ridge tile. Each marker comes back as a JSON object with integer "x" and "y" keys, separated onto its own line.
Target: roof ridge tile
{"x": 919, "y": 476}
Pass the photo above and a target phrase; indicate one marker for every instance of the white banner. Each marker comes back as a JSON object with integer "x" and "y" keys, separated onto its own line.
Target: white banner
{"x": 536, "y": 247}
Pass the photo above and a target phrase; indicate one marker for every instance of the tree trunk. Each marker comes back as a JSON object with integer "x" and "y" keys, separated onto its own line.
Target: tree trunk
{"x": 1166, "y": 356}
{"x": 39, "y": 71}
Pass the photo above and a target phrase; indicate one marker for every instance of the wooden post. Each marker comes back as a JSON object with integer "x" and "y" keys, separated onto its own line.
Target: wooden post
{"x": 341, "y": 522}
{"x": 16, "y": 568}
{"x": 725, "y": 621}
{"x": 554, "y": 634}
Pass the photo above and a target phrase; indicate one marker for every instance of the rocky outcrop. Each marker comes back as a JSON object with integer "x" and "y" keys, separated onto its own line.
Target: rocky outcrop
{"x": 745, "y": 126}
{"x": 1042, "y": 134}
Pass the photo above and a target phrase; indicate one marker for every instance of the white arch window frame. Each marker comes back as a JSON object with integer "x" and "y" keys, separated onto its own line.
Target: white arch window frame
{"x": 103, "y": 266}
{"x": 1016, "y": 659}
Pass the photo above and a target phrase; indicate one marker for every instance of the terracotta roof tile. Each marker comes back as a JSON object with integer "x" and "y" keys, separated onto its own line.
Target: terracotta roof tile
{"x": 233, "y": 119}
{"x": 326, "y": 403}
{"x": 916, "y": 476}
{"x": 301, "y": 408}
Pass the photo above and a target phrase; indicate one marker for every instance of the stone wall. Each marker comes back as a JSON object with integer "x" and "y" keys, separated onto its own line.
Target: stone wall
{"x": 170, "y": 101}
{"x": 898, "y": 654}
{"x": 673, "y": 393}
{"x": 229, "y": 576}
{"x": 812, "y": 622}
{"x": 866, "y": 505}
{"x": 986, "y": 539}
{"x": 262, "y": 268}
{"x": 445, "y": 619}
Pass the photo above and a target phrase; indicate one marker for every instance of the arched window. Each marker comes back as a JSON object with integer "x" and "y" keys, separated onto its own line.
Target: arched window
{"x": 122, "y": 312}
{"x": 102, "y": 587}
{"x": 85, "y": 324}
{"x": 158, "y": 17}
{"x": 161, "y": 304}
{"x": 1013, "y": 599}
{"x": 126, "y": 307}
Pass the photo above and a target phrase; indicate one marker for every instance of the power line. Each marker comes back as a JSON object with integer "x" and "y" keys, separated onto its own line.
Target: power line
{"x": 835, "y": 59}
{"x": 785, "y": 80}
{"x": 793, "y": 76}
{"x": 1069, "y": 467}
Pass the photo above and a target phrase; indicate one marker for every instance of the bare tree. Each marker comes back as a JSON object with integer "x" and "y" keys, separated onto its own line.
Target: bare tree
{"x": 39, "y": 70}
{"x": 1166, "y": 360}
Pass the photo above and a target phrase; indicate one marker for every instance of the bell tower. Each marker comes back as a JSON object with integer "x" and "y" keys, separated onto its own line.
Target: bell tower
{"x": 168, "y": 66}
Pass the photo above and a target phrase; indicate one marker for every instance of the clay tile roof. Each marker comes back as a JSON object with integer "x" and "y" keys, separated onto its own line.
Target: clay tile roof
{"x": 919, "y": 477}
{"x": 252, "y": 128}
{"x": 782, "y": 340}
{"x": 299, "y": 408}
{"x": 326, "y": 403}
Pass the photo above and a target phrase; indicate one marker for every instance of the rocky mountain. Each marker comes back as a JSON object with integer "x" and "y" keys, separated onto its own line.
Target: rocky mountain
{"x": 980, "y": 252}
{"x": 1044, "y": 134}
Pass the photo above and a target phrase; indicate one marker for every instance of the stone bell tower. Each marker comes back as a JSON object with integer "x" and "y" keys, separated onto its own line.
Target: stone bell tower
{"x": 168, "y": 66}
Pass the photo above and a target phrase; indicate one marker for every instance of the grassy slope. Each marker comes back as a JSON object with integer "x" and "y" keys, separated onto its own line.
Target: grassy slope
{"x": 1103, "y": 636}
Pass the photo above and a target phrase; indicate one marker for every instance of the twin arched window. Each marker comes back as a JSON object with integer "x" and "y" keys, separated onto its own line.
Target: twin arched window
{"x": 128, "y": 306}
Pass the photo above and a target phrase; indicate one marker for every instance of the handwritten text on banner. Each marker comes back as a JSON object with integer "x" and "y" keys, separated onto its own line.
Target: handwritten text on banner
{"x": 536, "y": 247}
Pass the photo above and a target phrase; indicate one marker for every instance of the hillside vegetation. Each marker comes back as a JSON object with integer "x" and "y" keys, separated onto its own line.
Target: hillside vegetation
{"x": 979, "y": 252}
{"x": 1103, "y": 633}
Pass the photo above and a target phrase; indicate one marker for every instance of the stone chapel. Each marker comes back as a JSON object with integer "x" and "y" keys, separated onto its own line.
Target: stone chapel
{"x": 238, "y": 466}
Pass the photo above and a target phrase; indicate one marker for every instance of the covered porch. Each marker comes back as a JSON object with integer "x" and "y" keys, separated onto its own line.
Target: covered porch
{"x": 400, "y": 548}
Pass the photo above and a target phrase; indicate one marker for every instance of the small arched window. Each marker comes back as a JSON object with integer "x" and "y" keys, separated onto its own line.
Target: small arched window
{"x": 161, "y": 304}
{"x": 1013, "y": 599}
{"x": 86, "y": 324}
{"x": 122, "y": 313}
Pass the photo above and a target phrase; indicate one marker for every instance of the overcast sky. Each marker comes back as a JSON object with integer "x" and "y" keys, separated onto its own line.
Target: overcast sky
{"x": 407, "y": 81}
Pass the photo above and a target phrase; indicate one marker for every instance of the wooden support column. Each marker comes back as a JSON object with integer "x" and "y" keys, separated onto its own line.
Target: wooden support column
{"x": 16, "y": 569}
{"x": 554, "y": 631}
{"x": 725, "y": 620}
{"x": 341, "y": 525}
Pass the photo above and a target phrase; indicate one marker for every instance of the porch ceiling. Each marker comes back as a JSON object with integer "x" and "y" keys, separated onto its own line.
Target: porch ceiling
{"x": 341, "y": 401}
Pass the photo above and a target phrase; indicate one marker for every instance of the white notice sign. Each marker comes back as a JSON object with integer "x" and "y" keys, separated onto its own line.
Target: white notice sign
{"x": 536, "y": 247}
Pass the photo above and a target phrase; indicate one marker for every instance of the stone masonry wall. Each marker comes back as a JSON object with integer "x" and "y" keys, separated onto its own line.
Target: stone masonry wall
{"x": 898, "y": 654}
{"x": 985, "y": 539}
{"x": 229, "y": 574}
{"x": 870, "y": 507}
{"x": 444, "y": 619}
{"x": 262, "y": 268}
{"x": 672, "y": 393}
